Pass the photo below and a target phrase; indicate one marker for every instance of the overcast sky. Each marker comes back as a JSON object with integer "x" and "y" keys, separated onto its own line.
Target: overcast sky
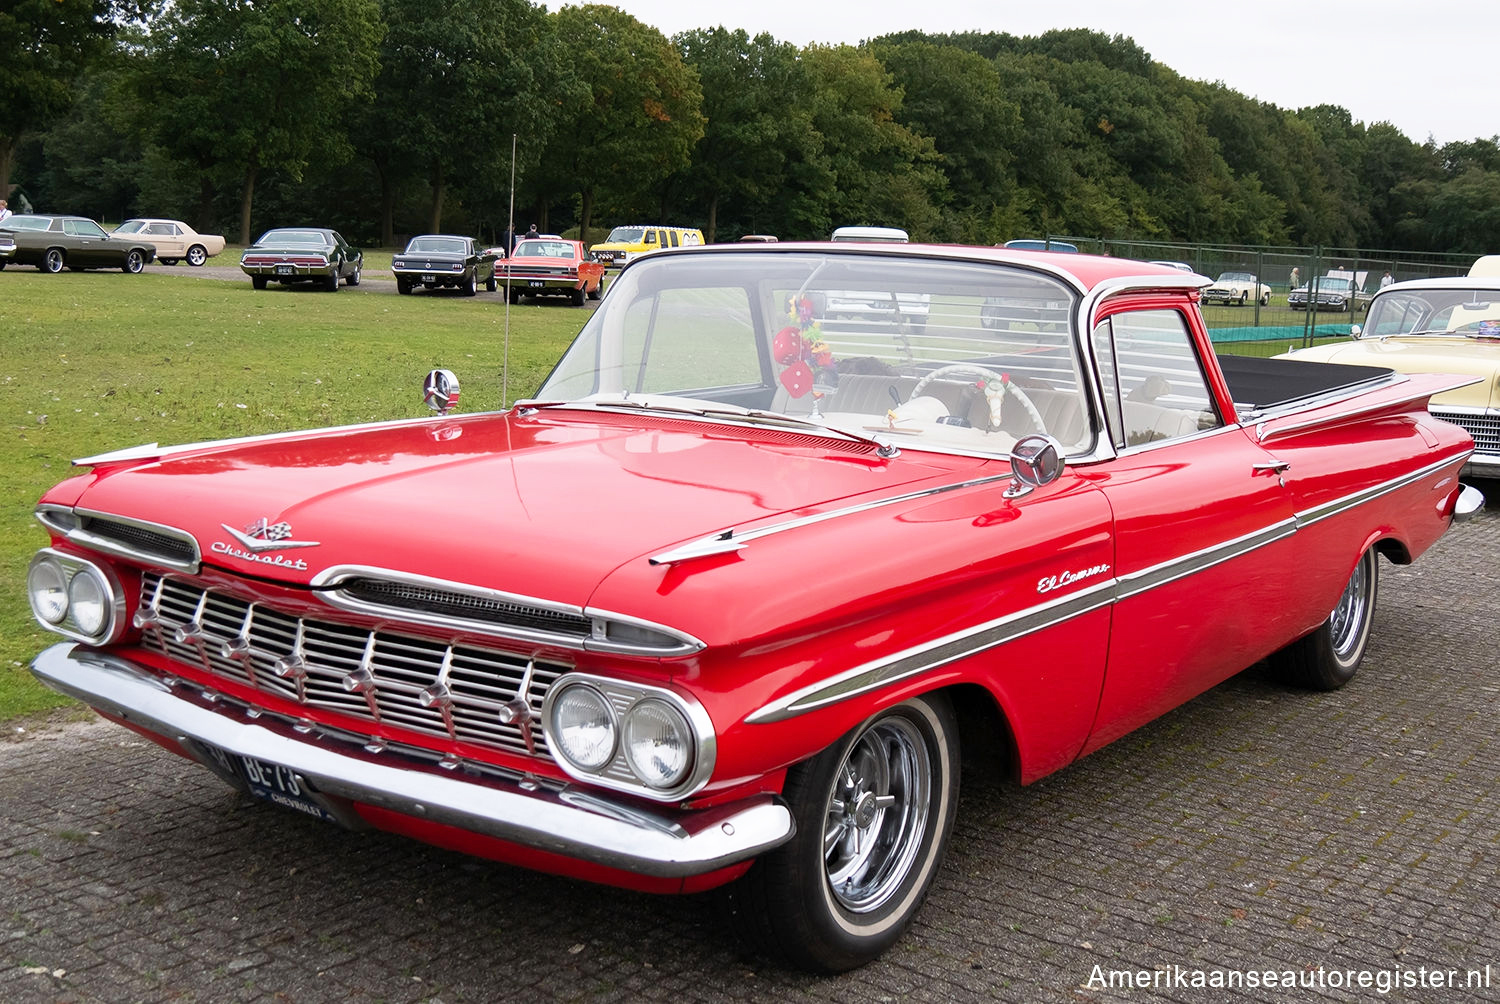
{"x": 1429, "y": 67}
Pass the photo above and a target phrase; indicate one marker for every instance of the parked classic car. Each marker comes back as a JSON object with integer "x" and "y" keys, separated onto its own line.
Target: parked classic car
{"x": 726, "y": 601}
{"x": 551, "y": 266}
{"x": 1237, "y": 287}
{"x": 439, "y": 260}
{"x": 1332, "y": 292}
{"x": 53, "y": 243}
{"x": 174, "y": 240}
{"x": 302, "y": 254}
{"x": 1449, "y": 325}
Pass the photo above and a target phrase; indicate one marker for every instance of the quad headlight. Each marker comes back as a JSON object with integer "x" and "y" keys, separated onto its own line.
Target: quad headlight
{"x": 648, "y": 740}
{"x": 75, "y": 597}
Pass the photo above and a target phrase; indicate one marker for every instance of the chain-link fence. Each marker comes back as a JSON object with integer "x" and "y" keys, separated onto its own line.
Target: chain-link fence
{"x": 1300, "y": 294}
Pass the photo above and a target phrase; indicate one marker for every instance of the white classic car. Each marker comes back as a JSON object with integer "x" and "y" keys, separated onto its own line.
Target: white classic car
{"x": 1237, "y": 287}
{"x": 174, "y": 240}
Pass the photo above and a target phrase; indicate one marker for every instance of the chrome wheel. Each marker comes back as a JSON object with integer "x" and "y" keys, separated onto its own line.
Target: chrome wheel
{"x": 1349, "y": 624}
{"x": 877, "y": 815}
{"x": 196, "y": 256}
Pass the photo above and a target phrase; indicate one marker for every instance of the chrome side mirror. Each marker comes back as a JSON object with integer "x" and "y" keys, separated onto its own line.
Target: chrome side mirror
{"x": 440, "y": 391}
{"x": 1355, "y": 331}
{"x": 1034, "y": 461}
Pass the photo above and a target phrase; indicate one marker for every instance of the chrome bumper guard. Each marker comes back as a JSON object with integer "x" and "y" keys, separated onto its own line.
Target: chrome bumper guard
{"x": 533, "y": 812}
{"x": 1470, "y": 501}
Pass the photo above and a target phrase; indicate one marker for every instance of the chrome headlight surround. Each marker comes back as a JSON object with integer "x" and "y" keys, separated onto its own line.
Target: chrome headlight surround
{"x": 77, "y": 598}
{"x": 629, "y": 706}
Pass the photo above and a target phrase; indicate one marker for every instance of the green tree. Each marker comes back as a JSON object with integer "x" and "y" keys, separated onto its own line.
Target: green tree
{"x": 458, "y": 78}
{"x": 640, "y": 111}
{"x": 749, "y": 88}
{"x": 45, "y": 45}
{"x": 262, "y": 86}
{"x": 955, "y": 98}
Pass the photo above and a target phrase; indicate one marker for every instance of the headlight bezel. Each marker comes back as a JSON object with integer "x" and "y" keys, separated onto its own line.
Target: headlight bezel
{"x": 624, "y": 697}
{"x": 110, "y": 599}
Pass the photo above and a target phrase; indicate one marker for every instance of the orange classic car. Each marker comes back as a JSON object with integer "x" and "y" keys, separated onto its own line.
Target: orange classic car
{"x": 550, "y": 266}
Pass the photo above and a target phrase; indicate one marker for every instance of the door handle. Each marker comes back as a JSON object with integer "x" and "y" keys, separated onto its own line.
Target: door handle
{"x": 1274, "y": 466}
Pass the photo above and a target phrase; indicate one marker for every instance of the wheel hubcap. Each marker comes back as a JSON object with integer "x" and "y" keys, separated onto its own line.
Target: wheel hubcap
{"x": 877, "y": 815}
{"x": 1347, "y": 621}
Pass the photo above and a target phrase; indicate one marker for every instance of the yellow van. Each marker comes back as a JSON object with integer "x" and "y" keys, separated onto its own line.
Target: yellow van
{"x": 624, "y": 243}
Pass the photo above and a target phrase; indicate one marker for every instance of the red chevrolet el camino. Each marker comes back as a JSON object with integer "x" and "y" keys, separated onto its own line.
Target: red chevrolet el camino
{"x": 721, "y": 605}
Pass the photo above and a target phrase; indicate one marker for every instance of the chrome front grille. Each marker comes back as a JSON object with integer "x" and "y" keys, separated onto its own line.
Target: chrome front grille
{"x": 459, "y": 692}
{"x": 1485, "y": 428}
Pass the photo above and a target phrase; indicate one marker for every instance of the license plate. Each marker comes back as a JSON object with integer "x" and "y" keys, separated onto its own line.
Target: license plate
{"x": 285, "y": 270}
{"x": 428, "y": 278}
{"x": 537, "y": 283}
{"x": 270, "y": 781}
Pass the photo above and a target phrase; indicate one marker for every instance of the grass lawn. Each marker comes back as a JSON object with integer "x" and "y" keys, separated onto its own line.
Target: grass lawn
{"x": 101, "y": 360}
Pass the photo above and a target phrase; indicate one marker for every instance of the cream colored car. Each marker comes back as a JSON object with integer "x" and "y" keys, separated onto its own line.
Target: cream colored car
{"x": 175, "y": 241}
{"x": 1437, "y": 326}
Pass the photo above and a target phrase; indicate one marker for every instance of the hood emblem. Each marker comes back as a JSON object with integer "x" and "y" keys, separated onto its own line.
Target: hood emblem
{"x": 263, "y": 535}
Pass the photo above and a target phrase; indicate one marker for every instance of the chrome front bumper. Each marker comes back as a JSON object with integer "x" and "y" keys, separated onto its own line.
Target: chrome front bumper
{"x": 533, "y": 812}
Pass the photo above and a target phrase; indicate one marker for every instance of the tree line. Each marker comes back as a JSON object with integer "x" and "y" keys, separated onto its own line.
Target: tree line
{"x": 390, "y": 117}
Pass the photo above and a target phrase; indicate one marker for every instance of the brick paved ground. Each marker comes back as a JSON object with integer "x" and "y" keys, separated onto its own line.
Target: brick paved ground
{"x": 1254, "y": 828}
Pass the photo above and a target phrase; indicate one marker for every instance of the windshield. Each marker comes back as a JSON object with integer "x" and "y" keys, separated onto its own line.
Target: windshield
{"x": 940, "y": 355}
{"x": 436, "y": 245}
{"x": 1236, "y": 277}
{"x": 1470, "y": 311}
{"x": 626, "y": 235}
{"x": 1328, "y": 284}
{"x": 130, "y": 227}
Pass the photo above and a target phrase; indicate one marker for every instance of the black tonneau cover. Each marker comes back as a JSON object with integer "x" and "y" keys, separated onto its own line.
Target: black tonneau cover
{"x": 1258, "y": 384}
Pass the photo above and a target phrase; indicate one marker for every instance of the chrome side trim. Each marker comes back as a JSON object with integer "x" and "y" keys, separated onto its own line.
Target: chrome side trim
{"x": 913, "y": 661}
{"x": 326, "y": 584}
{"x": 544, "y": 815}
{"x": 971, "y": 641}
{"x": 1168, "y": 572}
{"x": 728, "y": 539}
{"x": 1470, "y": 501}
{"x": 1332, "y": 508}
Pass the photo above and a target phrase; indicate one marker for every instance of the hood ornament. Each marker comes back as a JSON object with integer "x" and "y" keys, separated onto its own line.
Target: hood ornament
{"x": 263, "y": 535}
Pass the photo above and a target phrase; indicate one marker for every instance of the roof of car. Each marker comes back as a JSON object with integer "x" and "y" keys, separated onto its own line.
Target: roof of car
{"x": 1083, "y": 270}
{"x": 1484, "y": 282}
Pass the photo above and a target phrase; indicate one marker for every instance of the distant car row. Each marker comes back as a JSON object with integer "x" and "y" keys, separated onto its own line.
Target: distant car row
{"x": 53, "y": 243}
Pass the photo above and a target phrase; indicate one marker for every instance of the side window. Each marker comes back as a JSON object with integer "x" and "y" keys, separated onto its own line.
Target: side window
{"x": 688, "y": 339}
{"x": 672, "y": 236}
{"x": 1152, "y": 377}
{"x": 652, "y": 239}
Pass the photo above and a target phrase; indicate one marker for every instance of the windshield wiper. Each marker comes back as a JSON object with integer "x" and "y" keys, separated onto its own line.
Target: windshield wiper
{"x": 882, "y": 447}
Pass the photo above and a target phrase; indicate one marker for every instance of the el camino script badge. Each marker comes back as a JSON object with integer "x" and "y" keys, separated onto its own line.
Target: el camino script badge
{"x": 1050, "y": 582}
{"x": 262, "y": 536}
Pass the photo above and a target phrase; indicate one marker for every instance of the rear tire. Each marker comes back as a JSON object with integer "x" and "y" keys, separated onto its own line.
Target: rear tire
{"x": 196, "y": 256}
{"x": 135, "y": 261}
{"x": 166, "y": 261}
{"x": 402, "y": 286}
{"x": 873, "y": 815}
{"x": 53, "y": 261}
{"x": 331, "y": 282}
{"x": 258, "y": 281}
{"x": 1329, "y": 657}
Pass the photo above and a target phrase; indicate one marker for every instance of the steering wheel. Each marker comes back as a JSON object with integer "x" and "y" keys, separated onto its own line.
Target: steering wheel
{"x": 996, "y": 386}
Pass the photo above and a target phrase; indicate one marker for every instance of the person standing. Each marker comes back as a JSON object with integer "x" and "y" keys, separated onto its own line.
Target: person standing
{"x": 5, "y": 212}
{"x": 1386, "y": 279}
{"x": 1295, "y": 280}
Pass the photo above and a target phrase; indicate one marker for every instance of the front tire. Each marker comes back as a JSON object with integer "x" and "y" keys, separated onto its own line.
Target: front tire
{"x": 873, "y": 815}
{"x": 1330, "y": 656}
{"x": 1265, "y": 299}
{"x": 353, "y": 279}
{"x": 471, "y": 285}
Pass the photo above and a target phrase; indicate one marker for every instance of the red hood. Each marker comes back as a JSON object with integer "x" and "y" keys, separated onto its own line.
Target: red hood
{"x": 545, "y": 506}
